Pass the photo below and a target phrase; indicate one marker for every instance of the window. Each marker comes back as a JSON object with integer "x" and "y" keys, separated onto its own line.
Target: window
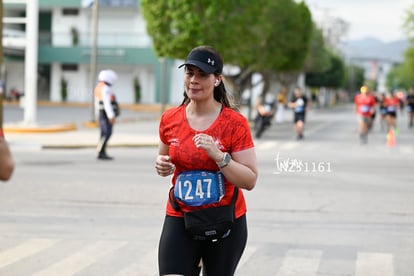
{"x": 70, "y": 11}
{"x": 69, "y": 67}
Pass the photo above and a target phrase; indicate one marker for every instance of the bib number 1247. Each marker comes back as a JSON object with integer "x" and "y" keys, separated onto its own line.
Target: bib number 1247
{"x": 196, "y": 188}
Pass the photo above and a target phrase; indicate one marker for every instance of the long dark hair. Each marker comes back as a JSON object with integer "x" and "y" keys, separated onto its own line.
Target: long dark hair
{"x": 220, "y": 93}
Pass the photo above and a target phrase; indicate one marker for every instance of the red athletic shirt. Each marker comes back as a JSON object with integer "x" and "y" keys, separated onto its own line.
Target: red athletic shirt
{"x": 364, "y": 104}
{"x": 392, "y": 104}
{"x": 231, "y": 133}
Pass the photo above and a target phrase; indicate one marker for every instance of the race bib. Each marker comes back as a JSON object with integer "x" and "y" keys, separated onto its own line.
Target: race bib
{"x": 300, "y": 105}
{"x": 197, "y": 188}
{"x": 364, "y": 108}
{"x": 391, "y": 108}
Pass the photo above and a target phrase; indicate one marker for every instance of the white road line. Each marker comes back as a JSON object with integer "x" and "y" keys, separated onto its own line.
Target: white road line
{"x": 267, "y": 145}
{"x": 374, "y": 264}
{"x": 79, "y": 260}
{"x": 289, "y": 145}
{"x": 147, "y": 266}
{"x": 312, "y": 147}
{"x": 407, "y": 149}
{"x": 300, "y": 262}
{"x": 24, "y": 250}
{"x": 23, "y": 146}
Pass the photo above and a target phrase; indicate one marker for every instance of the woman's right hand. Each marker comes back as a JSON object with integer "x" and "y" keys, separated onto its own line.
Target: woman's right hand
{"x": 164, "y": 166}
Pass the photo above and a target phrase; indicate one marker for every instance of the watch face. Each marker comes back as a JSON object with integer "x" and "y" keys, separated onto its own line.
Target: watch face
{"x": 227, "y": 158}
{"x": 225, "y": 161}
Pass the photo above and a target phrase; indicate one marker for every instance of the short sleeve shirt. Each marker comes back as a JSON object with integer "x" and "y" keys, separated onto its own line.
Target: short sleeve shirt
{"x": 392, "y": 104}
{"x": 364, "y": 104}
{"x": 301, "y": 103}
{"x": 230, "y": 132}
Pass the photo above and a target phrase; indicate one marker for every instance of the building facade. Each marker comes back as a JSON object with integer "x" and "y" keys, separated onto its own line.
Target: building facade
{"x": 66, "y": 47}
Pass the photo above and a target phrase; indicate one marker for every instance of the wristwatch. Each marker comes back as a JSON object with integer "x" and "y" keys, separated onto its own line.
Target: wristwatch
{"x": 225, "y": 161}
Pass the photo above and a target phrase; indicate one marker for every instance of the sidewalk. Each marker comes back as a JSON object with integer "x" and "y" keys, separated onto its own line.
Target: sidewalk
{"x": 68, "y": 126}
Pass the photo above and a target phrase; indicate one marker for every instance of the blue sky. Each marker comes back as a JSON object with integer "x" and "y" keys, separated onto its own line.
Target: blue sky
{"x": 381, "y": 19}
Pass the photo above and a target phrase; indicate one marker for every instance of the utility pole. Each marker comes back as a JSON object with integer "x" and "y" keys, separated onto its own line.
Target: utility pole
{"x": 95, "y": 15}
{"x": 30, "y": 59}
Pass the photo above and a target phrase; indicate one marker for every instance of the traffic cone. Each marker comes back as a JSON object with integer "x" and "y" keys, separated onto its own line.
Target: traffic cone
{"x": 391, "y": 138}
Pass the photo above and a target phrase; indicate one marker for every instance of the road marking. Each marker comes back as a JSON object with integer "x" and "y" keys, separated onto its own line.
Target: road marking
{"x": 267, "y": 145}
{"x": 148, "y": 266}
{"x": 406, "y": 149}
{"x": 24, "y": 146}
{"x": 374, "y": 264}
{"x": 24, "y": 250}
{"x": 79, "y": 260}
{"x": 300, "y": 262}
{"x": 289, "y": 145}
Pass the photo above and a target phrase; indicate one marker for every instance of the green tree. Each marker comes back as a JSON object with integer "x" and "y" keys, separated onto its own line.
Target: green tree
{"x": 408, "y": 24}
{"x": 282, "y": 47}
{"x": 178, "y": 25}
{"x": 403, "y": 75}
{"x": 286, "y": 34}
{"x": 354, "y": 78}
{"x": 334, "y": 77}
{"x": 260, "y": 36}
{"x": 319, "y": 57}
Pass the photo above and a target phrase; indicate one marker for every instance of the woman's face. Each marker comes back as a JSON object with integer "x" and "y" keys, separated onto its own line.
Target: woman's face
{"x": 198, "y": 85}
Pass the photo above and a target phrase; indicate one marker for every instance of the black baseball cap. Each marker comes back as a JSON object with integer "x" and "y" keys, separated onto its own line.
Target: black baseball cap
{"x": 204, "y": 59}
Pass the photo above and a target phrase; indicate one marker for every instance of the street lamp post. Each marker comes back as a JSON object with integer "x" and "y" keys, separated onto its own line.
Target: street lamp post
{"x": 30, "y": 60}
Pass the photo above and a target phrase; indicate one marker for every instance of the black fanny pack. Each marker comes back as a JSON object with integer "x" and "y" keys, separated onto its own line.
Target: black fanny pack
{"x": 209, "y": 224}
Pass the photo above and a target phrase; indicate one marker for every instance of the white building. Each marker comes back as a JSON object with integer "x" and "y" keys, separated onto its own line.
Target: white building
{"x": 65, "y": 50}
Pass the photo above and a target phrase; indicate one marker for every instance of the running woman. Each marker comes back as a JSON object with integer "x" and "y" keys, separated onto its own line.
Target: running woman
{"x": 364, "y": 107}
{"x": 204, "y": 134}
{"x": 392, "y": 103}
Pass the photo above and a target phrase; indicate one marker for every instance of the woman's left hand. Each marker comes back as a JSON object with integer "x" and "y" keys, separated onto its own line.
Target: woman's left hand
{"x": 206, "y": 142}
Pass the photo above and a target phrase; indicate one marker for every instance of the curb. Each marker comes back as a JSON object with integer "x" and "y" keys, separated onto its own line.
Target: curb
{"x": 39, "y": 129}
{"x": 78, "y": 146}
{"x": 57, "y": 128}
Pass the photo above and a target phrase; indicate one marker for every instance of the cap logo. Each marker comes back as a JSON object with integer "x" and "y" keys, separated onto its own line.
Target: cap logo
{"x": 207, "y": 61}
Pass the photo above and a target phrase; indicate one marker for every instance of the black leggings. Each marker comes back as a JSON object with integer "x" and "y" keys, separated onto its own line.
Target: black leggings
{"x": 179, "y": 254}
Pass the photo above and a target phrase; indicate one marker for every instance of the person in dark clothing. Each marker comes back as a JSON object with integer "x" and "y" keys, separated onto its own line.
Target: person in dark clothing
{"x": 410, "y": 107}
{"x": 300, "y": 105}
